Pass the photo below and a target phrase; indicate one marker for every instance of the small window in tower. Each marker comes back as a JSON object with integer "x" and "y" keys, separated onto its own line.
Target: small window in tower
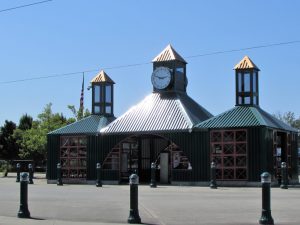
{"x": 179, "y": 70}
{"x": 254, "y": 100}
{"x": 254, "y": 82}
{"x": 108, "y": 109}
{"x": 247, "y": 100}
{"x": 108, "y": 94}
{"x": 240, "y": 100}
{"x": 240, "y": 82}
{"x": 247, "y": 82}
{"x": 97, "y": 109}
{"x": 97, "y": 94}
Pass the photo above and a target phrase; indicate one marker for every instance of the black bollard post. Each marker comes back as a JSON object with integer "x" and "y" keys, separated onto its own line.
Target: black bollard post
{"x": 213, "y": 182}
{"x": 98, "y": 182}
{"x": 18, "y": 172}
{"x": 266, "y": 217}
{"x": 284, "y": 177}
{"x": 153, "y": 175}
{"x": 23, "y": 210}
{"x": 134, "y": 216}
{"x": 30, "y": 173}
{"x": 59, "y": 180}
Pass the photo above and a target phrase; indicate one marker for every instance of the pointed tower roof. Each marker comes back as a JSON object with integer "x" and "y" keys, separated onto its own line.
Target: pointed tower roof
{"x": 245, "y": 63}
{"x": 168, "y": 54}
{"x": 102, "y": 77}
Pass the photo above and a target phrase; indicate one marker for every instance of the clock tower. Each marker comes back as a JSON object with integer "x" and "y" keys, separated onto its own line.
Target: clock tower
{"x": 169, "y": 72}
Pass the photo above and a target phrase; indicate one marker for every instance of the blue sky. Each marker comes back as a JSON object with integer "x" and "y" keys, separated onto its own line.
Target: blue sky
{"x": 64, "y": 36}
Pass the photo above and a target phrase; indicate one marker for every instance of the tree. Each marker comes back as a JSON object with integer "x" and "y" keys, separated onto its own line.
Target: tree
{"x": 33, "y": 141}
{"x": 25, "y": 122}
{"x": 289, "y": 118}
{"x": 8, "y": 146}
{"x": 79, "y": 114}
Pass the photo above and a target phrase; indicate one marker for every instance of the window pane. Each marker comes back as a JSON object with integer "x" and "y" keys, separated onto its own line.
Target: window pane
{"x": 240, "y": 82}
{"x": 240, "y": 100}
{"x": 254, "y": 82}
{"x": 108, "y": 94}
{"x": 254, "y": 100}
{"x": 247, "y": 100}
{"x": 247, "y": 82}
{"x": 97, "y": 94}
{"x": 108, "y": 109}
{"x": 179, "y": 69}
{"x": 97, "y": 109}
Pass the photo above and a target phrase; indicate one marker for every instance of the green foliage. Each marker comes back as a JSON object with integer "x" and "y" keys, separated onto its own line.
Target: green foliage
{"x": 8, "y": 146}
{"x": 79, "y": 114}
{"x": 289, "y": 118}
{"x": 33, "y": 141}
{"x": 25, "y": 122}
{"x": 5, "y": 167}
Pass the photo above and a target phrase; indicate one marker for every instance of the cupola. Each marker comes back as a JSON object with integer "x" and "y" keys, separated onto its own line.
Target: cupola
{"x": 246, "y": 82}
{"x": 169, "y": 71}
{"x": 102, "y": 94}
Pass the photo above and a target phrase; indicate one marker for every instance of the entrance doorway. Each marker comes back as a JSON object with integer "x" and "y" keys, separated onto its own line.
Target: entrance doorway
{"x": 136, "y": 153}
{"x": 281, "y": 151}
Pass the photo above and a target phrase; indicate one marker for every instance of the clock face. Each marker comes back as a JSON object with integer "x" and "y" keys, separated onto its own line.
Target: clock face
{"x": 161, "y": 78}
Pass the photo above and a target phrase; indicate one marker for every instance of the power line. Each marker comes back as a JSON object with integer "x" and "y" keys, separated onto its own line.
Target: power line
{"x": 145, "y": 63}
{"x": 243, "y": 49}
{"x": 23, "y": 6}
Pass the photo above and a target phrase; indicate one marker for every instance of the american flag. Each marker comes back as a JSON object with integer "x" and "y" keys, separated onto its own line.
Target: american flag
{"x": 82, "y": 93}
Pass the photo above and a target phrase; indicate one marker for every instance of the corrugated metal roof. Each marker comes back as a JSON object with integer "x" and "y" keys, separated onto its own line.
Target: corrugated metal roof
{"x": 160, "y": 112}
{"x": 102, "y": 77}
{"x": 89, "y": 125}
{"x": 244, "y": 116}
{"x": 245, "y": 63}
{"x": 168, "y": 54}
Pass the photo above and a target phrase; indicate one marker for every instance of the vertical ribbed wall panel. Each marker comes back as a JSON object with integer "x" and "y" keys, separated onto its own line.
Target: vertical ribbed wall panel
{"x": 53, "y": 145}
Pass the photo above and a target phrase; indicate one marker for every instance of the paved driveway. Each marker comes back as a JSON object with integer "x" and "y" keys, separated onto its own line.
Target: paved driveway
{"x": 87, "y": 204}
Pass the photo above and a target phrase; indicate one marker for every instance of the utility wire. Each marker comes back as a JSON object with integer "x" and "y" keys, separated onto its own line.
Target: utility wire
{"x": 23, "y": 6}
{"x": 145, "y": 63}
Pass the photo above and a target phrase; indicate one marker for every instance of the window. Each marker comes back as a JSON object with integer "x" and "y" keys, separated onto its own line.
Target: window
{"x": 97, "y": 94}
{"x": 247, "y": 100}
{"x": 108, "y": 109}
{"x": 73, "y": 156}
{"x": 108, "y": 94}
{"x": 229, "y": 152}
{"x": 247, "y": 82}
{"x": 240, "y": 82}
{"x": 97, "y": 109}
{"x": 254, "y": 82}
{"x": 180, "y": 69}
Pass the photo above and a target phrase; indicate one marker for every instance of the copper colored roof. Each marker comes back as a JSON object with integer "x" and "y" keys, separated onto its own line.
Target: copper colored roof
{"x": 102, "y": 77}
{"x": 245, "y": 63}
{"x": 168, "y": 54}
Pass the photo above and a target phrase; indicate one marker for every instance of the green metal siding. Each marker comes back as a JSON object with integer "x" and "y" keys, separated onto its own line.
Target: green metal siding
{"x": 196, "y": 147}
{"x": 53, "y": 145}
{"x": 98, "y": 148}
{"x": 294, "y": 146}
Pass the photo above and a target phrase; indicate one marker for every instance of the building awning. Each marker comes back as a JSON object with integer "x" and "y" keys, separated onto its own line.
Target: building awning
{"x": 160, "y": 112}
{"x": 89, "y": 125}
{"x": 244, "y": 116}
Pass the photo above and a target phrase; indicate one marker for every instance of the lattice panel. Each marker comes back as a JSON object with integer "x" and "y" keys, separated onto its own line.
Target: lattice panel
{"x": 228, "y": 136}
{"x": 229, "y": 152}
{"x": 73, "y": 156}
{"x": 228, "y": 149}
{"x": 216, "y": 137}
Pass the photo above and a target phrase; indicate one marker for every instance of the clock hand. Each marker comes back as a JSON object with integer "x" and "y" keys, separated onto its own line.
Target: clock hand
{"x": 161, "y": 78}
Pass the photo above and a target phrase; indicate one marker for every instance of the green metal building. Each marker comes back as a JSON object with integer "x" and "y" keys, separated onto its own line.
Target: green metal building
{"x": 169, "y": 128}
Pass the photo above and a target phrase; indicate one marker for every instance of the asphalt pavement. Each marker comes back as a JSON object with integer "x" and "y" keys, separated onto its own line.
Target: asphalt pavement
{"x": 179, "y": 205}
